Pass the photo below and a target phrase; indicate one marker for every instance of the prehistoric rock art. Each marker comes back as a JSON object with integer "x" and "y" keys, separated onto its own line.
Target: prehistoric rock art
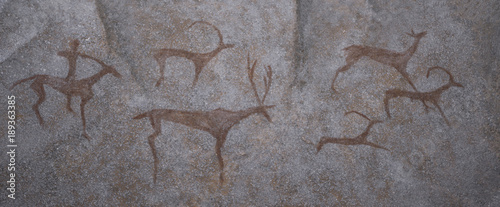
{"x": 432, "y": 96}
{"x": 217, "y": 122}
{"x": 397, "y": 60}
{"x": 359, "y": 140}
{"x": 68, "y": 86}
{"x": 200, "y": 60}
{"x": 72, "y": 55}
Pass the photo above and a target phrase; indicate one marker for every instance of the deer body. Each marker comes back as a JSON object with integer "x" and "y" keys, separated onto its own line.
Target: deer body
{"x": 431, "y": 96}
{"x": 358, "y": 140}
{"x": 200, "y": 60}
{"x": 397, "y": 60}
{"x": 68, "y": 87}
{"x": 217, "y": 122}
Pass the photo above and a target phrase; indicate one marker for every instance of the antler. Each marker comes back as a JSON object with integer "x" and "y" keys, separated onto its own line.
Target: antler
{"x": 215, "y": 28}
{"x": 412, "y": 34}
{"x": 443, "y": 69}
{"x": 416, "y": 35}
{"x": 362, "y": 115}
{"x": 452, "y": 80}
{"x": 267, "y": 82}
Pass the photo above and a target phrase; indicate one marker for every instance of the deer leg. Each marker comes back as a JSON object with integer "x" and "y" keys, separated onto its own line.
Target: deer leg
{"x": 40, "y": 92}
{"x": 82, "y": 111}
{"x": 442, "y": 113}
{"x": 68, "y": 103}
{"x": 161, "y": 62}
{"x": 151, "y": 141}
{"x": 218, "y": 146}
{"x": 197, "y": 71}
{"x": 407, "y": 77}
{"x": 386, "y": 105}
{"x": 341, "y": 70}
{"x": 371, "y": 144}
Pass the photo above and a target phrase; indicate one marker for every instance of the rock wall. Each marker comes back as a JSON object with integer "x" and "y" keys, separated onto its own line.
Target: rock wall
{"x": 247, "y": 111}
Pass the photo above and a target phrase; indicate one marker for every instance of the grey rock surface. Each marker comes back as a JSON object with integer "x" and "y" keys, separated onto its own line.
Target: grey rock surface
{"x": 427, "y": 162}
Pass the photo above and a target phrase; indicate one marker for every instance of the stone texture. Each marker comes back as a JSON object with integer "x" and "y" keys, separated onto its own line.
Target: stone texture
{"x": 266, "y": 163}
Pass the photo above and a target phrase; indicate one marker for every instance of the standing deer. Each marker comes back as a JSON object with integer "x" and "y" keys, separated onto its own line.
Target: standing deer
{"x": 200, "y": 60}
{"x": 70, "y": 88}
{"x": 432, "y": 96}
{"x": 359, "y": 140}
{"x": 217, "y": 122}
{"x": 397, "y": 60}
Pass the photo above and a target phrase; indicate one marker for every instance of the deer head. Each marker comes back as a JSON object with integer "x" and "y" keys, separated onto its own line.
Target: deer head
{"x": 112, "y": 70}
{"x": 74, "y": 45}
{"x": 451, "y": 81}
{"x": 418, "y": 36}
{"x": 267, "y": 84}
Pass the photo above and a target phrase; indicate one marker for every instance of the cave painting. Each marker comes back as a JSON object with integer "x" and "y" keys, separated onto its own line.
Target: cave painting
{"x": 200, "y": 60}
{"x": 358, "y": 140}
{"x": 432, "y": 96}
{"x": 397, "y": 60}
{"x": 69, "y": 86}
{"x": 217, "y": 122}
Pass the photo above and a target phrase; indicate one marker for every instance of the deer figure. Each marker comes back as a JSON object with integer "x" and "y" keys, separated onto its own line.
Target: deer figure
{"x": 200, "y": 60}
{"x": 432, "y": 96}
{"x": 397, "y": 60}
{"x": 359, "y": 140}
{"x": 217, "y": 122}
{"x": 70, "y": 88}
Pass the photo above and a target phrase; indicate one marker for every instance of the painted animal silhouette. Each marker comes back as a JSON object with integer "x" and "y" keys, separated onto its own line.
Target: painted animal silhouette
{"x": 200, "y": 60}
{"x": 397, "y": 60}
{"x": 217, "y": 122}
{"x": 358, "y": 140}
{"x": 432, "y": 96}
{"x": 70, "y": 88}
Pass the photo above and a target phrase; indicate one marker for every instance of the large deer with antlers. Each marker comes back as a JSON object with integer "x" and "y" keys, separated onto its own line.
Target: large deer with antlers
{"x": 200, "y": 60}
{"x": 432, "y": 96}
{"x": 217, "y": 122}
{"x": 358, "y": 140}
{"x": 397, "y": 60}
{"x": 70, "y": 88}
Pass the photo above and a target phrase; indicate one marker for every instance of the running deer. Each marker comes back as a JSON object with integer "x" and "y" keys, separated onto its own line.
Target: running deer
{"x": 217, "y": 122}
{"x": 359, "y": 140}
{"x": 432, "y": 96}
{"x": 397, "y": 60}
{"x": 70, "y": 88}
{"x": 200, "y": 60}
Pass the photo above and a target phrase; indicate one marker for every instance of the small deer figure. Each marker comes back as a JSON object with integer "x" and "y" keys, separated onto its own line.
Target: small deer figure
{"x": 200, "y": 60}
{"x": 359, "y": 140}
{"x": 70, "y": 88}
{"x": 397, "y": 60}
{"x": 432, "y": 96}
{"x": 217, "y": 122}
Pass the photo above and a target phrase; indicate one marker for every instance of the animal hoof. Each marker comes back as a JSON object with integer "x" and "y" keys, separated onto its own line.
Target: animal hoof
{"x": 86, "y": 136}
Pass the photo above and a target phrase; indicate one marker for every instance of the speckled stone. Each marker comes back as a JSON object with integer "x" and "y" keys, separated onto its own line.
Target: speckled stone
{"x": 428, "y": 162}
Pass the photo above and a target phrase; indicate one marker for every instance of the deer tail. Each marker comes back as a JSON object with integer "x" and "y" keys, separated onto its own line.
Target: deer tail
{"x": 23, "y": 80}
{"x": 352, "y": 49}
{"x": 141, "y": 116}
